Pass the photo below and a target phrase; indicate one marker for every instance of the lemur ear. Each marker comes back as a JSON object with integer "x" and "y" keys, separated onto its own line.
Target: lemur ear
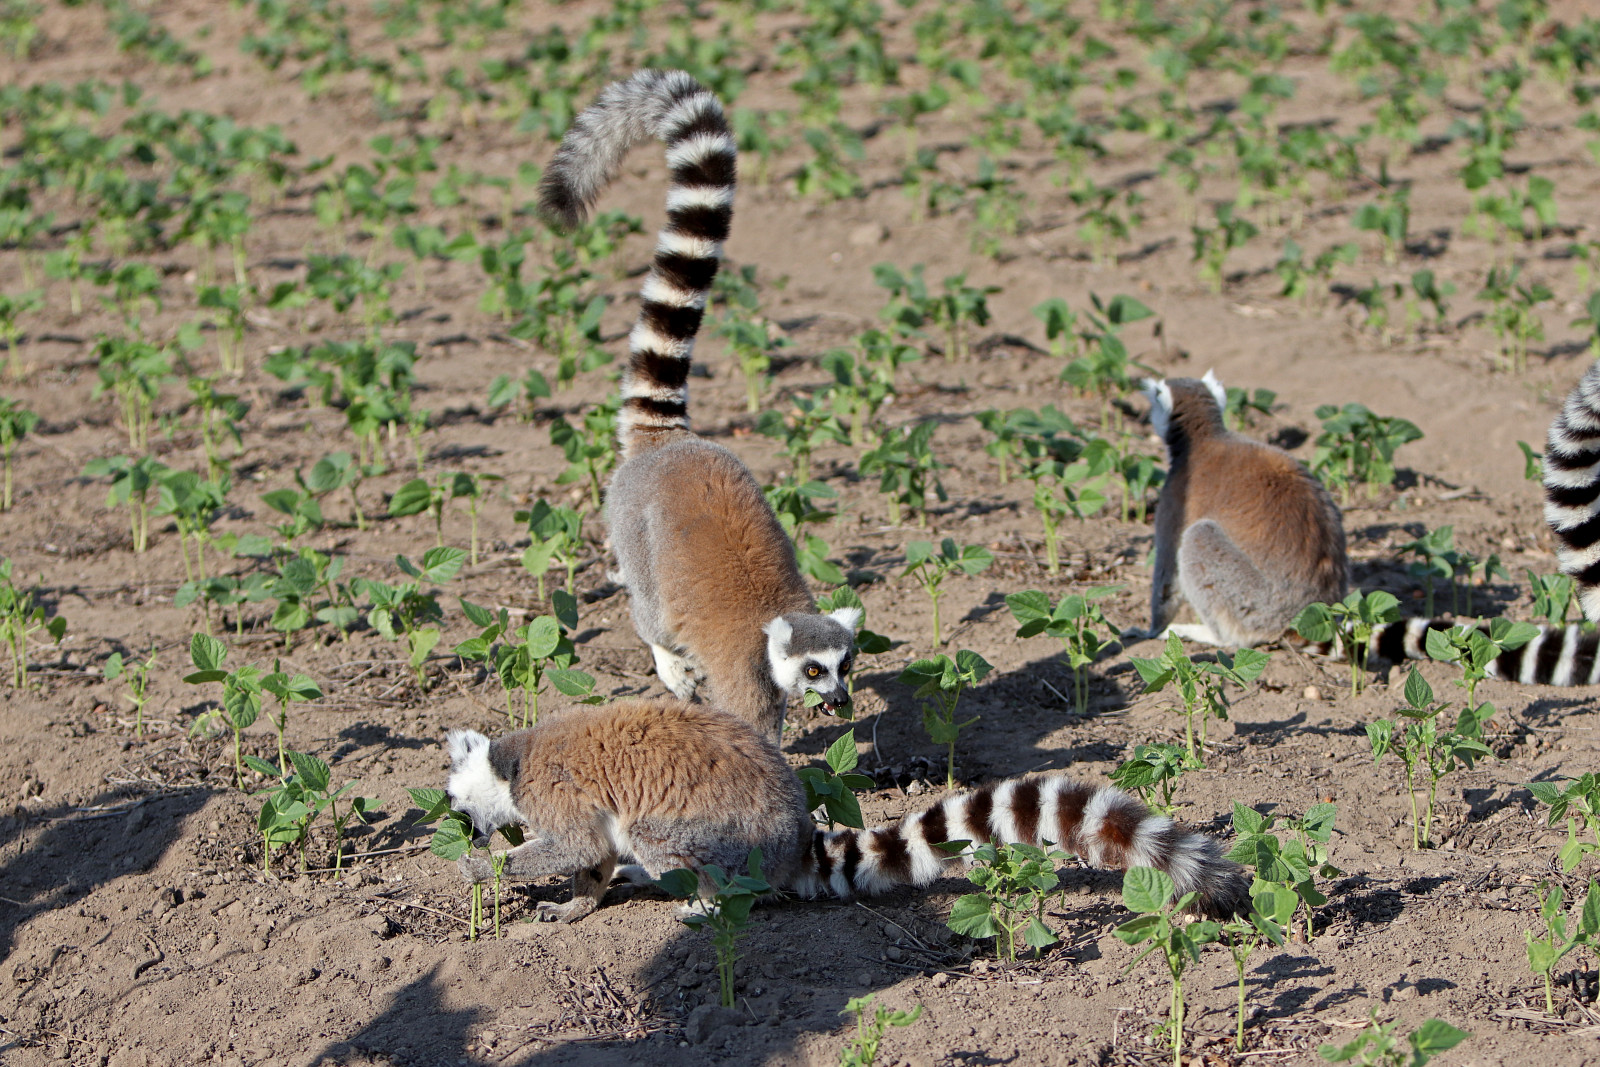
{"x": 1160, "y": 394}
{"x": 849, "y": 618}
{"x": 1211, "y": 383}
{"x": 464, "y": 744}
{"x": 778, "y": 632}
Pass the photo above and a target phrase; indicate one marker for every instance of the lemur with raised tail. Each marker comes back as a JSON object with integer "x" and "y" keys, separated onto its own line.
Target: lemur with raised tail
{"x": 716, "y": 591}
{"x": 669, "y": 784}
{"x": 1249, "y": 538}
{"x": 1244, "y": 533}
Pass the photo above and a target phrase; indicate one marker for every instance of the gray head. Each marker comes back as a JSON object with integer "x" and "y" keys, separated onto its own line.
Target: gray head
{"x": 480, "y": 782}
{"x": 814, "y": 652}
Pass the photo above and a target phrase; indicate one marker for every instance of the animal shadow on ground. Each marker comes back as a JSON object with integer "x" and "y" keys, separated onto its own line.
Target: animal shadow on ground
{"x": 80, "y": 850}
{"x": 414, "y": 1028}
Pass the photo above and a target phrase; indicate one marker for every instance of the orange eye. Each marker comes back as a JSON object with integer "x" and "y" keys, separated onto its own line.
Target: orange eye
{"x": 813, "y": 670}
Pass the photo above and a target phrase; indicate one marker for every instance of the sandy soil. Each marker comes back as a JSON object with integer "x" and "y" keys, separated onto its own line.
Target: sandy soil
{"x": 137, "y": 929}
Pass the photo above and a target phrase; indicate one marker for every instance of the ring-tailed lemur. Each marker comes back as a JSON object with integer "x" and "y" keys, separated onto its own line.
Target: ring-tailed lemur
{"x": 1244, "y": 533}
{"x": 1250, "y": 538}
{"x": 671, "y": 785}
{"x": 716, "y": 591}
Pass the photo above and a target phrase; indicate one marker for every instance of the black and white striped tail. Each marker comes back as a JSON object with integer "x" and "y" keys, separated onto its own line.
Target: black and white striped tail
{"x": 672, "y": 107}
{"x": 1572, "y": 489}
{"x": 1560, "y": 655}
{"x": 1103, "y": 825}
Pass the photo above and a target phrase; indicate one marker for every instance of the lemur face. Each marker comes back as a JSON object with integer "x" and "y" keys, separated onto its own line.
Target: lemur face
{"x": 814, "y": 652}
{"x": 476, "y": 787}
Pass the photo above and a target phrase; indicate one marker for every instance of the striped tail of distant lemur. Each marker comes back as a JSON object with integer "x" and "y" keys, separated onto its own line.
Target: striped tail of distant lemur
{"x": 1559, "y": 655}
{"x": 661, "y": 784}
{"x": 1102, "y": 825}
{"x": 1572, "y": 489}
{"x": 715, "y": 588}
{"x": 670, "y": 106}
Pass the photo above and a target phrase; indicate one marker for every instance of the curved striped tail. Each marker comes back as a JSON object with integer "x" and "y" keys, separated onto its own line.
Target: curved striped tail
{"x": 1103, "y": 825}
{"x": 1572, "y": 489}
{"x": 1559, "y": 655}
{"x": 672, "y": 107}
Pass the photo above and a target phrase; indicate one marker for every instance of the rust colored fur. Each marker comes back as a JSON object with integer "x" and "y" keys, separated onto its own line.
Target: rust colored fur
{"x": 1242, "y": 529}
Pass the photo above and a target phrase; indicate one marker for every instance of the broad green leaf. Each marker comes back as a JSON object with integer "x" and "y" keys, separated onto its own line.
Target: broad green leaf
{"x": 1145, "y": 889}
{"x": 207, "y": 652}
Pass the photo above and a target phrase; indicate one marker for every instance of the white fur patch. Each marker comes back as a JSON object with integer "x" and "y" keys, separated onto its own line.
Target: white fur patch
{"x": 644, "y": 338}
{"x": 1569, "y": 653}
{"x": 699, "y": 196}
{"x": 1217, "y": 391}
{"x": 675, "y": 243}
{"x": 642, "y": 387}
{"x": 701, "y": 146}
{"x": 658, "y": 290}
{"x": 1003, "y": 816}
{"x": 1160, "y": 395}
{"x": 849, "y": 618}
{"x": 785, "y": 669}
{"x": 474, "y": 788}
{"x": 1530, "y": 659}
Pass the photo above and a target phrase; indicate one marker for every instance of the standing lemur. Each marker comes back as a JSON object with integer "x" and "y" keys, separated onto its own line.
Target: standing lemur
{"x": 715, "y": 588}
{"x": 1248, "y": 537}
{"x": 672, "y": 785}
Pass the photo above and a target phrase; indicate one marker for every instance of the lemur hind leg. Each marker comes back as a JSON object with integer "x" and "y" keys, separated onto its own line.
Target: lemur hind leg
{"x": 588, "y": 888}
{"x": 1237, "y": 604}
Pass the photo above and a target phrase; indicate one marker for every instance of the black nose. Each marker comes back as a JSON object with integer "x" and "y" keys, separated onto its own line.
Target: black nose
{"x": 834, "y": 701}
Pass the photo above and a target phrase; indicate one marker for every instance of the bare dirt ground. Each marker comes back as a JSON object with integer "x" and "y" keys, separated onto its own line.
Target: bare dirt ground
{"x": 136, "y": 927}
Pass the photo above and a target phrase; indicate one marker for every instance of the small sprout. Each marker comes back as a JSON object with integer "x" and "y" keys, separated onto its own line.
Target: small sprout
{"x": 863, "y": 1048}
{"x": 1419, "y": 742}
{"x": 1152, "y": 767}
{"x": 940, "y": 681}
{"x": 1357, "y": 447}
{"x": 1377, "y": 1046}
{"x": 138, "y": 679}
{"x": 1148, "y": 892}
{"x": 725, "y": 911}
{"x": 834, "y": 790}
{"x": 930, "y": 568}
{"x": 1075, "y": 621}
{"x": 1199, "y": 684}
{"x": 1350, "y": 623}
{"x": 1294, "y": 865}
{"x": 1014, "y": 882}
{"x": 21, "y": 616}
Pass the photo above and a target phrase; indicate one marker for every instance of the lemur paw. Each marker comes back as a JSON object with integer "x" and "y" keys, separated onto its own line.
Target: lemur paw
{"x": 570, "y": 912}
{"x": 475, "y": 869}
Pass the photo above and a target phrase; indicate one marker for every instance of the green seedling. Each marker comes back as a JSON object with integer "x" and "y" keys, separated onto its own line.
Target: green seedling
{"x": 193, "y": 503}
{"x": 1075, "y": 621}
{"x": 134, "y": 371}
{"x": 1350, "y": 624}
{"x": 1155, "y": 767}
{"x": 344, "y": 281}
{"x": 404, "y": 612}
{"x": 12, "y": 307}
{"x": 864, "y": 381}
{"x": 1148, "y": 892}
{"x": 591, "y": 454}
{"x": 753, "y": 342}
{"x": 1293, "y": 865}
{"x": 1582, "y": 796}
{"x": 21, "y": 616}
{"x": 1242, "y": 406}
{"x": 1014, "y": 881}
{"x": 1435, "y": 293}
{"x": 220, "y": 414}
{"x": 1552, "y": 596}
{"x": 834, "y": 790}
{"x": 723, "y": 902}
{"x": 1357, "y": 447}
{"x": 138, "y": 680}
{"x": 808, "y": 424}
{"x": 1474, "y": 648}
{"x": 1297, "y": 275}
{"x": 1060, "y": 327}
{"x": 525, "y": 657}
{"x": 1590, "y": 322}
{"x": 531, "y": 389}
{"x": 1213, "y": 243}
{"x": 453, "y": 838}
{"x": 1104, "y": 368}
{"x": 241, "y": 692}
{"x": 338, "y": 470}
{"x": 557, "y": 539}
{"x": 1513, "y": 314}
{"x": 1546, "y": 951}
{"x": 939, "y": 682}
{"x": 1389, "y": 218}
{"x": 420, "y": 495}
{"x": 794, "y": 507}
{"x": 301, "y": 512}
{"x": 1199, "y": 685}
{"x": 287, "y": 689}
{"x": 930, "y": 567}
{"x": 294, "y": 803}
{"x": 1420, "y": 743}
{"x": 131, "y": 482}
{"x": 471, "y": 487}
{"x": 1271, "y": 909}
{"x": 1377, "y": 1045}
{"x": 862, "y": 1051}
{"x": 907, "y": 469}
{"x": 16, "y": 422}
